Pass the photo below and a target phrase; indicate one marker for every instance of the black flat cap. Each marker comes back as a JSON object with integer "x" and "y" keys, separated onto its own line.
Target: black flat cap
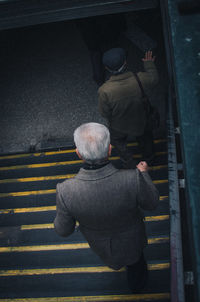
{"x": 114, "y": 58}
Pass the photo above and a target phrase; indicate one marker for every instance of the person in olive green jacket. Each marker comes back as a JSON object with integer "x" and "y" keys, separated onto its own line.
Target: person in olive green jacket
{"x": 120, "y": 103}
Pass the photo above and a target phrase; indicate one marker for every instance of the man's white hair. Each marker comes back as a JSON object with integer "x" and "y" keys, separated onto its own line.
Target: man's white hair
{"x": 92, "y": 141}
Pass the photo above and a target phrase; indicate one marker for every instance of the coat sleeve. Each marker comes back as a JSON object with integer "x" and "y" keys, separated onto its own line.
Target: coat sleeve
{"x": 147, "y": 194}
{"x": 64, "y": 223}
{"x": 149, "y": 77}
{"x": 103, "y": 104}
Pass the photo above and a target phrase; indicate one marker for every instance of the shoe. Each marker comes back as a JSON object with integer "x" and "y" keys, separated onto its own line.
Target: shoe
{"x": 139, "y": 288}
{"x": 137, "y": 276}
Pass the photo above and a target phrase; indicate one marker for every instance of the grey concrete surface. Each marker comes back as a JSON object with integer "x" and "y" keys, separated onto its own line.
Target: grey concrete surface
{"x": 46, "y": 88}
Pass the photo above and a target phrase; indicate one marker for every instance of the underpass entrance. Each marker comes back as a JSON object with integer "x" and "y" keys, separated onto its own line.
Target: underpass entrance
{"x": 47, "y": 77}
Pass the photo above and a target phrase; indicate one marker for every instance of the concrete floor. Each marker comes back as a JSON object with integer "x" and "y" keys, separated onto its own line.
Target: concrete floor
{"x": 47, "y": 88}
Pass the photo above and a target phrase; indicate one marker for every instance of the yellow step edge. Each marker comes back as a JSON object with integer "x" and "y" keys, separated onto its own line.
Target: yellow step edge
{"x": 39, "y": 178}
{"x": 162, "y": 181}
{"x": 138, "y": 155}
{"x": 28, "y": 210}
{"x": 43, "y": 165}
{"x": 51, "y": 226}
{"x": 62, "y": 163}
{"x": 157, "y": 141}
{"x": 15, "y": 156}
{"x": 27, "y": 193}
{"x": 153, "y": 168}
{"x": 156, "y": 218}
{"x": 104, "y": 298}
{"x": 36, "y": 226}
{"x": 40, "y": 209}
{"x": 66, "y": 246}
{"x": 74, "y": 270}
{"x": 54, "y": 177}
{"x": 52, "y": 191}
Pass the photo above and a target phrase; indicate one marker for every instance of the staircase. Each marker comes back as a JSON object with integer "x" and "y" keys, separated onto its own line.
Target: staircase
{"x": 38, "y": 265}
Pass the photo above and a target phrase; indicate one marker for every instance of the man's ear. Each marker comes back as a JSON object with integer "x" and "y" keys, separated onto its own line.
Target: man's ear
{"x": 77, "y": 152}
{"x": 109, "y": 150}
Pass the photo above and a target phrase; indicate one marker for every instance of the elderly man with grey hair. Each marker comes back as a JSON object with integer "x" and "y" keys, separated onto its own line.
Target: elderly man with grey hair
{"x": 107, "y": 203}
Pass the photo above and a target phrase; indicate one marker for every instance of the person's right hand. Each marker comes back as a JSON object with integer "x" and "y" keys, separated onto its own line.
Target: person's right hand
{"x": 142, "y": 166}
{"x": 148, "y": 56}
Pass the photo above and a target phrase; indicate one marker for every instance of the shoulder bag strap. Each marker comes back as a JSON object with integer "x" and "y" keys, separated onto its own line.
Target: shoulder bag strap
{"x": 144, "y": 95}
{"x": 140, "y": 85}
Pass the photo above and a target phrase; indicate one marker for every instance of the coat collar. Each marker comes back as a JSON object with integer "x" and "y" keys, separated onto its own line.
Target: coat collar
{"x": 121, "y": 76}
{"x": 96, "y": 174}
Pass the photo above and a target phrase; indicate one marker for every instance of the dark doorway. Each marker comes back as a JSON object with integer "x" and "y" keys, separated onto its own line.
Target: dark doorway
{"x": 47, "y": 86}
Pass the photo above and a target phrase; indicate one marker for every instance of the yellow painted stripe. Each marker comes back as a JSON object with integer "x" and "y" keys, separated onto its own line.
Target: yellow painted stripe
{"x": 27, "y": 193}
{"x": 43, "y": 165}
{"x": 36, "y": 226}
{"x": 163, "y": 197}
{"x": 162, "y": 181}
{"x": 156, "y": 141}
{"x": 51, "y": 226}
{"x": 40, "y": 209}
{"x": 40, "y": 178}
{"x": 61, "y": 163}
{"x": 37, "y": 248}
{"x": 158, "y": 167}
{"x": 60, "y": 151}
{"x": 3, "y": 157}
{"x": 104, "y": 298}
{"x": 28, "y": 210}
{"x": 158, "y": 240}
{"x": 74, "y": 270}
{"x": 54, "y": 177}
{"x": 13, "y": 156}
{"x": 67, "y": 246}
{"x": 53, "y": 191}
{"x": 156, "y": 218}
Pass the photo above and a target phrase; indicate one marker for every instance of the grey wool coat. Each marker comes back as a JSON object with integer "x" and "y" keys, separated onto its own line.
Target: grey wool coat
{"x": 106, "y": 202}
{"x": 120, "y": 100}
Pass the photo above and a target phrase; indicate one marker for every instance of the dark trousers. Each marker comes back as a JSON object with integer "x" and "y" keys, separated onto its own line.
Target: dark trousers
{"x": 146, "y": 146}
{"x": 97, "y": 66}
{"x": 145, "y": 142}
{"x": 137, "y": 274}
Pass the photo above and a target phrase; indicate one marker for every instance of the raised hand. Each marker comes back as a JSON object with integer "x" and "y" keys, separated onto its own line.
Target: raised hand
{"x": 148, "y": 56}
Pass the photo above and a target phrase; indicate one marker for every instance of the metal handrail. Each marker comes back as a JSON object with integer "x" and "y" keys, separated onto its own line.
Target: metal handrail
{"x": 177, "y": 274}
